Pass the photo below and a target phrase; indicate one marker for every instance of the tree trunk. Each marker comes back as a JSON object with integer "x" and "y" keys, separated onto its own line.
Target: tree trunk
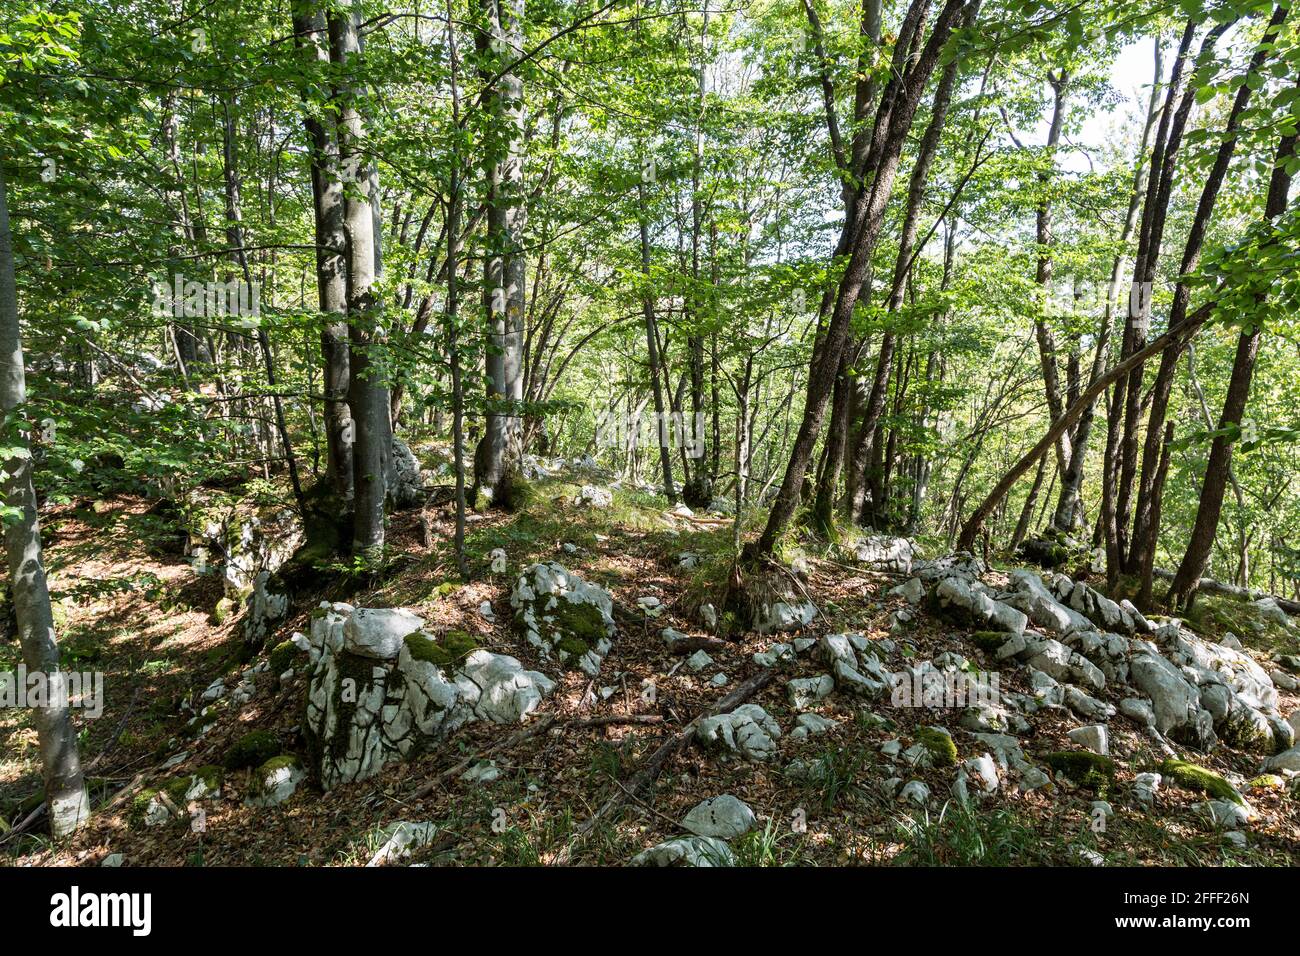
{"x": 311, "y": 35}
{"x": 368, "y": 393}
{"x": 898, "y": 109}
{"x": 499, "y": 454}
{"x": 1210, "y": 505}
{"x": 65, "y": 789}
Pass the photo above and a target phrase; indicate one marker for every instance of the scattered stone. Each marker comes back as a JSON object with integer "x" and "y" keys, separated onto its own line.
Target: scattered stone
{"x": 1146, "y": 786}
{"x": 592, "y": 496}
{"x": 1094, "y": 737}
{"x": 718, "y": 680}
{"x": 882, "y": 553}
{"x": 113, "y": 859}
{"x": 397, "y": 840}
{"x": 1287, "y": 760}
{"x": 698, "y": 661}
{"x": 275, "y": 781}
{"x": 564, "y": 616}
{"x": 687, "y": 851}
{"x": 485, "y": 771}
{"x": 723, "y": 817}
{"x": 803, "y": 692}
{"x": 784, "y": 616}
{"x": 748, "y": 730}
{"x": 916, "y": 791}
{"x": 811, "y": 725}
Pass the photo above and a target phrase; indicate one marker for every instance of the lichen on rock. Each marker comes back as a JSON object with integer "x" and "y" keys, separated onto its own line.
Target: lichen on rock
{"x": 563, "y": 616}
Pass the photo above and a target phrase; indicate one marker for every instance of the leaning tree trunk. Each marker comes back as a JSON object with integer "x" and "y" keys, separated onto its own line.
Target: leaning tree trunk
{"x": 65, "y": 789}
{"x": 1210, "y": 506}
{"x": 899, "y": 103}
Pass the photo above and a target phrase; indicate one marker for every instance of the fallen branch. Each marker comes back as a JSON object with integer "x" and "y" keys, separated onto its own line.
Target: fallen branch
{"x": 655, "y": 763}
{"x": 1211, "y": 586}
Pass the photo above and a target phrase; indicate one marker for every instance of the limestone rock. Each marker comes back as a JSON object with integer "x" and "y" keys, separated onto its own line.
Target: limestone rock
{"x": 687, "y": 851}
{"x": 723, "y": 817}
{"x": 378, "y": 633}
{"x": 748, "y": 730}
{"x": 564, "y": 616}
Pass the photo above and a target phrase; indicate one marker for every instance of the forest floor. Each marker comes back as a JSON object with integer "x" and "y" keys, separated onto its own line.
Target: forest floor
{"x": 129, "y": 604}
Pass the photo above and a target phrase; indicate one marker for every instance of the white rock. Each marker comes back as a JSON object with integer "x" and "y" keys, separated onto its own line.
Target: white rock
{"x": 378, "y": 633}
{"x": 482, "y": 772}
{"x": 1094, "y": 737}
{"x": 698, "y": 661}
{"x": 803, "y": 692}
{"x": 1287, "y": 760}
{"x": 687, "y": 851}
{"x": 811, "y": 725}
{"x": 486, "y": 612}
{"x": 1174, "y": 701}
{"x": 399, "y": 839}
{"x": 724, "y": 817}
{"x": 916, "y": 791}
{"x": 498, "y": 558}
{"x": 718, "y": 680}
{"x": 748, "y": 730}
{"x": 1146, "y": 786}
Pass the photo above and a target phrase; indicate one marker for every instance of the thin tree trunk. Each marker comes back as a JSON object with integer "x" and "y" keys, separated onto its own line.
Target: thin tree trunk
{"x": 65, "y": 789}
{"x": 1201, "y": 542}
{"x": 311, "y": 35}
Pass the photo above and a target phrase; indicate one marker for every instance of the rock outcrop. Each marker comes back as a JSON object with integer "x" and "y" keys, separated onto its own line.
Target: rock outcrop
{"x": 377, "y": 695}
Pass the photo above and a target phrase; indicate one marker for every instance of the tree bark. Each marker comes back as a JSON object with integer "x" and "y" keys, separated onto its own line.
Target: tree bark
{"x": 1210, "y": 505}
{"x": 367, "y": 393}
{"x": 65, "y": 788}
{"x": 311, "y": 35}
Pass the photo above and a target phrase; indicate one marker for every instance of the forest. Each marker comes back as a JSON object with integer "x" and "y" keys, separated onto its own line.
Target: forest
{"x": 648, "y": 432}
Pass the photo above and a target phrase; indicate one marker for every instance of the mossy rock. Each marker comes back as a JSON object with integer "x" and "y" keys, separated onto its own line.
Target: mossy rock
{"x": 990, "y": 640}
{"x": 1267, "y": 781}
{"x": 284, "y": 761}
{"x": 1190, "y": 776}
{"x": 252, "y": 749}
{"x": 573, "y": 646}
{"x": 942, "y": 749}
{"x": 282, "y": 657}
{"x": 1083, "y": 767}
{"x": 221, "y": 613}
{"x": 577, "y": 619}
{"x": 454, "y": 647}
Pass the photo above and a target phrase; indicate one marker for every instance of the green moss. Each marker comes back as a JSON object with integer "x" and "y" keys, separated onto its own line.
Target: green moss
{"x": 1268, "y": 781}
{"x": 454, "y": 647}
{"x": 252, "y": 749}
{"x": 990, "y": 640}
{"x": 1190, "y": 776}
{"x": 1083, "y": 767}
{"x": 943, "y": 752}
{"x": 221, "y": 613}
{"x": 580, "y": 620}
{"x": 211, "y": 775}
{"x": 176, "y": 789}
{"x": 282, "y": 657}
{"x": 575, "y": 647}
{"x": 1214, "y": 615}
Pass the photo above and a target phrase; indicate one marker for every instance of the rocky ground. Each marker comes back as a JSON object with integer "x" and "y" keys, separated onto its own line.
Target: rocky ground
{"x": 586, "y": 701}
